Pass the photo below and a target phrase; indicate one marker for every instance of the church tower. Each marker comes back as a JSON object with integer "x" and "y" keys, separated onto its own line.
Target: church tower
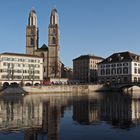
{"x": 32, "y": 33}
{"x": 54, "y": 66}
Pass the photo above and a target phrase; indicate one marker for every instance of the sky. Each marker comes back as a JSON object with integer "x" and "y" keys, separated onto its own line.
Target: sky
{"x": 95, "y": 27}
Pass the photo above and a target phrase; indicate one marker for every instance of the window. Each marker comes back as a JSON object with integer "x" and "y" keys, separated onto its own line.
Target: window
{"x": 125, "y": 70}
{"x": 107, "y": 71}
{"x": 32, "y": 41}
{"x": 18, "y": 65}
{"x": 107, "y": 66}
{"x": 113, "y": 65}
{"x": 135, "y": 70}
{"x": 135, "y": 79}
{"x": 37, "y": 71}
{"x": 19, "y": 71}
{"x": 4, "y": 64}
{"x": 36, "y": 77}
{"x": 113, "y": 71}
{"x": 119, "y": 70}
{"x": 119, "y": 64}
{"x": 4, "y": 76}
{"x": 125, "y": 64}
{"x": 138, "y": 70}
{"x": 53, "y": 40}
{"x": 102, "y": 72}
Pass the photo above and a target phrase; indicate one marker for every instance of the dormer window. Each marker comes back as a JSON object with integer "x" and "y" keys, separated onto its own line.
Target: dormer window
{"x": 118, "y": 55}
{"x": 109, "y": 59}
{"x": 136, "y": 58}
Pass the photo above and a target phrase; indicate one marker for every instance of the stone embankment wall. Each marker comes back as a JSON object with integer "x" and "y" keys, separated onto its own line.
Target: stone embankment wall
{"x": 63, "y": 88}
{"x": 132, "y": 89}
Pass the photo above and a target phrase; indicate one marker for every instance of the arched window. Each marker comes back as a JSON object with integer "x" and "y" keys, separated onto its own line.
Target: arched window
{"x": 102, "y": 72}
{"x": 125, "y": 70}
{"x": 107, "y": 71}
{"x": 113, "y": 71}
{"x": 32, "y": 41}
{"x": 53, "y": 40}
{"x": 135, "y": 79}
{"x": 135, "y": 70}
{"x": 119, "y": 70}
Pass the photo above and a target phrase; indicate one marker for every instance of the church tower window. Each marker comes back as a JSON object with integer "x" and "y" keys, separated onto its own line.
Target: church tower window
{"x": 53, "y": 40}
{"x": 32, "y": 41}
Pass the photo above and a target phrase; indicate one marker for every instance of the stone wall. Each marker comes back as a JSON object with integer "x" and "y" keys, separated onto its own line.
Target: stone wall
{"x": 63, "y": 88}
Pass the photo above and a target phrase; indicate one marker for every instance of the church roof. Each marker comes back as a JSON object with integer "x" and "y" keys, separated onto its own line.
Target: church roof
{"x": 43, "y": 48}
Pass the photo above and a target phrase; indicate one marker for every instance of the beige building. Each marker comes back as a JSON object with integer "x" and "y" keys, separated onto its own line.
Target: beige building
{"x": 122, "y": 67}
{"x": 85, "y": 68}
{"x": 20, "y": 68}
{"x": 50, "y": 53}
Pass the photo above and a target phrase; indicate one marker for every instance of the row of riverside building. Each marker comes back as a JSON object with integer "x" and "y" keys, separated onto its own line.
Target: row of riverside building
{"x": 121, "y": 67}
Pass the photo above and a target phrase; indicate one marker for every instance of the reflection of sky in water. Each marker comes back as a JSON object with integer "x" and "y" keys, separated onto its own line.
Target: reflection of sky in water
{"x": 11, "y": 136}
{"x": 61, "y": 116}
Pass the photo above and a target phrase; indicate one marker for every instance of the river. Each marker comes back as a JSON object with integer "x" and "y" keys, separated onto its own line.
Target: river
{"x": 73, "y": 116}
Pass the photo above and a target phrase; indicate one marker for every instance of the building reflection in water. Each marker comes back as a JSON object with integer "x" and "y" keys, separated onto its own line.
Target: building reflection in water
{"x": 117, "y": 109}
{"x": 38, "y": 116}
{"x": 86, "y": 110}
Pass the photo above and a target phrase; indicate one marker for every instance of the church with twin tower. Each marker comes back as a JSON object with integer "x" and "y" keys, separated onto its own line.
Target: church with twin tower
{"x": 51, "y": 53}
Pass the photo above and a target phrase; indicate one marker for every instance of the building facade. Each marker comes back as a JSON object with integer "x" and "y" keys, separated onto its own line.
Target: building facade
{"x": 50, "y": 53}
{"x": 122, "y": 67}
{"x": 21, "y": 68}
{"x": 85, "y": 68}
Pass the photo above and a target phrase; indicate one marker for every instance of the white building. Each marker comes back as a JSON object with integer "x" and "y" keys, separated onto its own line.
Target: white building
{"x": 122, "y": 67}
{"x": 19, "y": 68}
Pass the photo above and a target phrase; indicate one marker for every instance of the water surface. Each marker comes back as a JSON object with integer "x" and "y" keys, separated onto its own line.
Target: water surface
{"x": 99, "y": 116}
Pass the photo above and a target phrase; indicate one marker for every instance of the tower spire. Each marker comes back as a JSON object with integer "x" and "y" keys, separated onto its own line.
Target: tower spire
{"x": 54, "y": 19}
{"x": 32, "y": 33}
{"x": 32, "y": 20}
